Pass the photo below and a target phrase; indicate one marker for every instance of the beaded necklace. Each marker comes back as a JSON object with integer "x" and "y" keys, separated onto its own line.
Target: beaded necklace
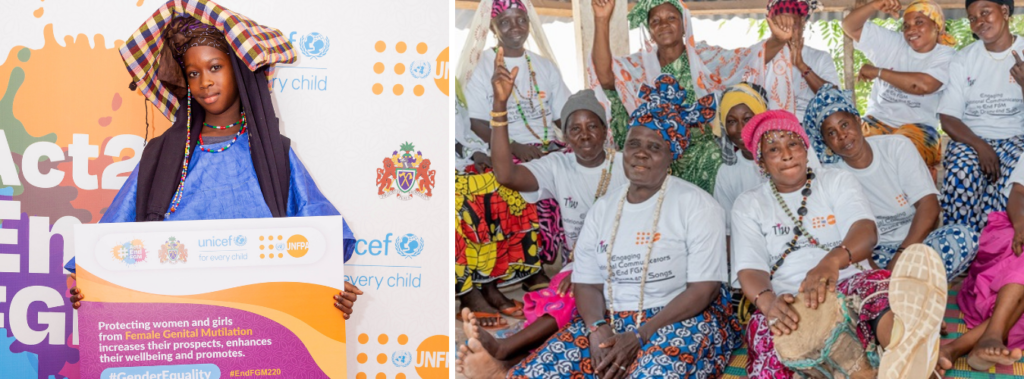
{"x": 236, "y": 123}
{"x": 540, "y": 95}
{"x": 647, "y": 258}
{"x": 602, "y": 187}
{"x": 222, "y": 148}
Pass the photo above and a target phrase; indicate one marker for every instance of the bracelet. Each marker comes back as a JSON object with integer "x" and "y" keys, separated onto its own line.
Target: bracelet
{"x": 848, "y": 254}
{"x": 805, "y": 73}
{"x": 880, "y": 70}
{"x": 498, "y": 114}
{"x": 769, "y": 289}
{"x": 597, "y": 324}
{"x": 640, "y": 339}
{"x": 495, "y": 123}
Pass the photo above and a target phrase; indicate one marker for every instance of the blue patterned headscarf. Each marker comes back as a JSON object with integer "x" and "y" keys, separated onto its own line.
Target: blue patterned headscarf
{"x": 664, "y": 110}
{"x": 829, "y": 100}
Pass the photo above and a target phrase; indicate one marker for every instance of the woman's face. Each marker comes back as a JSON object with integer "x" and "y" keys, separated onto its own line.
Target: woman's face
{"x": 211, "y": 78}
{"x": 512, "y": 28}
{"x": 647, "y": 157}
{"x": 784, "y": 157}
{"x": 920, "y": 32}
{"x": 666, "y": 25}
{"x": 585, "y": 134}
{"x": 988, "y": 20}
{"x": 737, "y": 117}
{"x": 842, "y": 134}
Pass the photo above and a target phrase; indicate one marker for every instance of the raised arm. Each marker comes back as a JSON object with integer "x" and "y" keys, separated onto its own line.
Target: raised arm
{"x": 507, "y": 173}
{"x": 914, "y": 83}
{"x": 602, "y": 50}
{"x": 853, "y": 23}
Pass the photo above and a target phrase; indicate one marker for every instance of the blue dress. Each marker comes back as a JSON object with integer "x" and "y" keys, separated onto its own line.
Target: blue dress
{"x": 224, "y": 186}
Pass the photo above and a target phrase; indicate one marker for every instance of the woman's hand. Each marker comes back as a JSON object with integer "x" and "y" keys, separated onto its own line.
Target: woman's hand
{"x": 620, "y": 353}
{"x": 781, "y": 28}
{"x": 481, "y": 161}
{"x": 868, "y": 73}
{"x": 988, "y": 160}
{"x": 1017, "y": 71}
{"x": 565, "y": 287}
{"x": 796, "y": 49}
{"x": 526, "y": 153}
{"x": 597, "y": 354}
{"x": 346, "y": 299}
{"x": 819, "y": 281}
{"x": 76, "y": 294}
{"x": 502, "y": 81}
{"x": 1018, "y": 241}
{"x": 603, "y": 9}
{"x": 782, "y": 319}
{"x": 890, "y": 7}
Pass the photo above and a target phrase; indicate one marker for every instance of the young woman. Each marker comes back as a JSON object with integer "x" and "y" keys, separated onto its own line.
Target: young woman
{"x": 910, "y": 67}
{"x": 225, "y": 130}
{"x": 982, "y": 111}
{"x": 808, "y": 231}
{"x": 896, "y": 181}
{"x": 678, "y": 322}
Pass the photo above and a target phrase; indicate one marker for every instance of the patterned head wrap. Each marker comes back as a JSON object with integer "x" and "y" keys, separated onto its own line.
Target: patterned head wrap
{"x": 664, "y": 111}
{"x": 829, "y": 99}
{"x": 504, "y": 5}
{"x": 934, "y": 12}
{"x": 144, "y": 51}
{"x": 751, "y": 95}
{"x": 776, "y": 120}
{"x": 804, "y": 8}
{"x": 181, "y": 34}
{"x": 642, "y": 9}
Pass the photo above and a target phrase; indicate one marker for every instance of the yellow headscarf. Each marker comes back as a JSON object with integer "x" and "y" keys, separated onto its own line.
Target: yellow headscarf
{"x": 934, "y": 12}
{"x": 742, "y": 93}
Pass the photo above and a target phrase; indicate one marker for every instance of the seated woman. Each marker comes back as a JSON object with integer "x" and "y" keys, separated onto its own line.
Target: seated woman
{"x": 910, "y": 67}
{"x": 223, "y": 101}
{"x": 701, "y": 70}
{"x": 982, "y": 111}
{"x": 649, "y": 270}
{"x": 839, "y": 233}
{"x": 992, "y": 295}
{"x": 896, "y": 181}
{"x": 576, "y": 180}
{"x": 493, "y": 221}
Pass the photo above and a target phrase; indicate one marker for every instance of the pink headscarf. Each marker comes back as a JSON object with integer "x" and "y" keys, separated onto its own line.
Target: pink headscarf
{"x": 504, "y": 5}
{"x": 780, "y": 120}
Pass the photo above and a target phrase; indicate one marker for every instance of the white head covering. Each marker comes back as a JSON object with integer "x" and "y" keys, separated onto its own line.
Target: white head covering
{"x": 480, "y": 28}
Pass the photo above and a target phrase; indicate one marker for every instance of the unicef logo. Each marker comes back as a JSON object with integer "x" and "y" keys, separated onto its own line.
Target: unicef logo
{"x": 240, "y": 240}
{"x": 401, "y": 358}
{"x": 409, "y": 245}
{"x": 314, "y": 45}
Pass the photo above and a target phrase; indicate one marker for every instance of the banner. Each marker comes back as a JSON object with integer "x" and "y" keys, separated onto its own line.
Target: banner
{"x": 210, "y": 299}
{"x": 366, "y": 107}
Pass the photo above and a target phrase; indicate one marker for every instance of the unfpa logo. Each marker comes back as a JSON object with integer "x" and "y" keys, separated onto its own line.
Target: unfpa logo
{"x": 296, "y": 246}
{"x": 419, "y": 69}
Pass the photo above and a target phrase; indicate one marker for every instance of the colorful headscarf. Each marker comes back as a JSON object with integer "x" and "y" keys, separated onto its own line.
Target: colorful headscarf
{"x": 751, "y": 95}
{"x": 804, "y": 8}
{"x": 181, "y": 34}
{"x": 504, "y": 5}
{"x": 829, "y": 99}
{"x": 776, "y": 120}
{"x": 665, "y": 111}
{"x": 642, "y": 9}
{"x": 256, "y": 45}
{"x": 934, "y": 12}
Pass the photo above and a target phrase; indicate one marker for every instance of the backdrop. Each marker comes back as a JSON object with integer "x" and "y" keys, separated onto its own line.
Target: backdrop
{"x": 366, "y": 107}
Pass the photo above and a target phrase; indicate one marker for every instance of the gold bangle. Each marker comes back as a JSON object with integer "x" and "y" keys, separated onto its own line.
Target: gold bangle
{"x": 495, "y": 123}
{"x": 499, "y": 114}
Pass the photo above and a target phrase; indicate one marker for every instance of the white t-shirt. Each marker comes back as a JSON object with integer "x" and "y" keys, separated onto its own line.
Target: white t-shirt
{"x": 821, "y": 63}
{"x": 480, "y": 95}
{"x": 889, "y": 51}
{"x": 689, "y": 246}
{"x": 1017, "y": 176}
{"x": 741, "y": 177}
{"x": 560, "y": 177}
{"x": 894, "y": 181}
{"x": 982, "y": 94}
{"x": 761, "y": 230}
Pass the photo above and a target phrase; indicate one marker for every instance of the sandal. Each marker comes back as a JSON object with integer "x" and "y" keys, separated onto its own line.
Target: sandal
{"x": 502, "y": 323}
{"x": 515, "y": 311}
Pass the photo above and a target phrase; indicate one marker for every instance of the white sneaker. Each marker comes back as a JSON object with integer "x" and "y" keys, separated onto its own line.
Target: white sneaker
{"x": 917, "y": 299}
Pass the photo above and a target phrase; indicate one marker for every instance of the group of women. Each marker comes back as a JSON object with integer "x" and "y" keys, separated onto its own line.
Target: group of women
{"x": 694, "y": 174}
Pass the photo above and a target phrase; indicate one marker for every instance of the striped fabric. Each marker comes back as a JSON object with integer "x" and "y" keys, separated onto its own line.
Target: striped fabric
{"x": 255, "y": 44}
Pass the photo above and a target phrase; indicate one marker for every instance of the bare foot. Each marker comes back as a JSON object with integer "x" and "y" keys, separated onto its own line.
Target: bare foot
{"x": 945, "y": 361}
{"x": 991, "y": 351}
{"x": 475, "y": 362}
{"x": 489, "y": 343}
